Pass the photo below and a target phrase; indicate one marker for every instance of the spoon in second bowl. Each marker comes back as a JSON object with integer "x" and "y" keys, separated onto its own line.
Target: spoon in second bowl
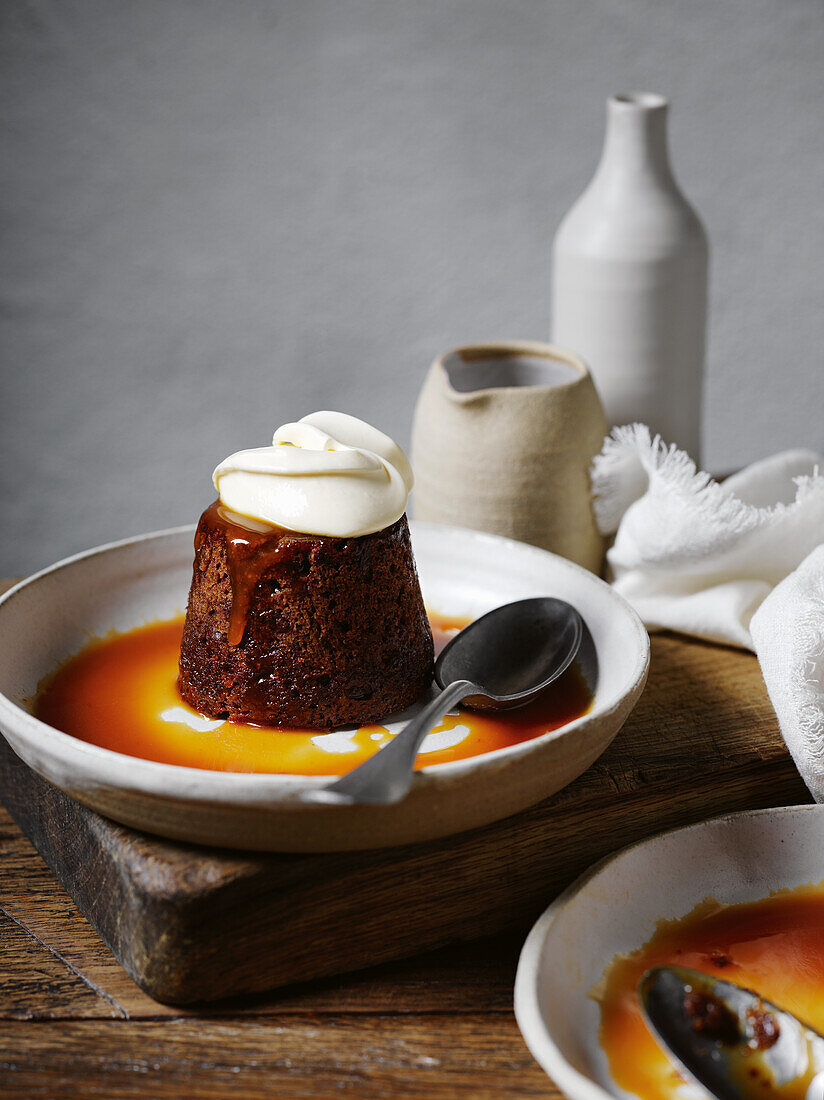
{"x": 731, "y": 1041}
{"x": 501, "y": 661}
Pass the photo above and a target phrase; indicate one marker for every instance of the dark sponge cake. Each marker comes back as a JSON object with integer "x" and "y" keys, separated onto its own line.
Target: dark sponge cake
{"x": 286, "y": 629}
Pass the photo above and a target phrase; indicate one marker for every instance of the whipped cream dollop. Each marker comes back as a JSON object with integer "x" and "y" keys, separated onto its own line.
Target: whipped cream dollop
{"x": 327, "y": 474}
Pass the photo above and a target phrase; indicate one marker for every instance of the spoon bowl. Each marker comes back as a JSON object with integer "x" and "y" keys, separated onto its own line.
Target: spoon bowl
{"x": 504, "y": 659}
{"x": 728, "y": 1039}
{"x": 513, "y": 652}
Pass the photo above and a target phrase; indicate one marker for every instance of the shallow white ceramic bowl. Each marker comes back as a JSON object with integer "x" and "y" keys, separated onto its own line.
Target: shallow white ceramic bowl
{"x": 50, "y": 616}
{"x": 614, "y": 908}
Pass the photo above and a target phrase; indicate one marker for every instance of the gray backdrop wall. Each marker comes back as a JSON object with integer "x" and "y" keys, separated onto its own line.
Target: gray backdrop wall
{"x": 221, "y": 214}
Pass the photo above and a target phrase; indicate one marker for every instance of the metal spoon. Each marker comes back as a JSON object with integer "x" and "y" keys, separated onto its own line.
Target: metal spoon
{"x": 728, "y": 1039}
{"x": 500, "y": 661}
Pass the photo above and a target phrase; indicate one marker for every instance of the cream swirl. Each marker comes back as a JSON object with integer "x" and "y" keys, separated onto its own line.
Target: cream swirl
{"x": 328, "y": 474}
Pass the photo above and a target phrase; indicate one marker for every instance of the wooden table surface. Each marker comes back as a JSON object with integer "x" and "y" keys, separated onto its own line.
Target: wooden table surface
{"x": 72, "y": 1023}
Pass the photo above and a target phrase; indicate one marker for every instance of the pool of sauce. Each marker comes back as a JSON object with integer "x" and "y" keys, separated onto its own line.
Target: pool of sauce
{"x": 774, "y": 946}
{"x": 120, "y": 693}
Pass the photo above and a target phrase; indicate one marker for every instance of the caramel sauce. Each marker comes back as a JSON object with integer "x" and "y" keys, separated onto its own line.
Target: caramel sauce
{"x": 251, "y": 549}
{"x": 774, "y": 946}
{"x": 121, "y": 693}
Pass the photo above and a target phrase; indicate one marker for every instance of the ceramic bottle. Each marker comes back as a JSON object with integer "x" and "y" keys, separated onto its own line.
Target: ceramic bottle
{"x": 629, "y": 286}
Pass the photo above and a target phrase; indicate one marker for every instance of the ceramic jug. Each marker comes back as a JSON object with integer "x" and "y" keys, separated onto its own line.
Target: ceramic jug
{"x": 502, "y": 441}
{"x": 629, "y": 284}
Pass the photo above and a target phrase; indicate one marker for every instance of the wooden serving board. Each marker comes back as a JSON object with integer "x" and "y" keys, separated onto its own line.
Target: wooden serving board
{"x": 193, "y": 924}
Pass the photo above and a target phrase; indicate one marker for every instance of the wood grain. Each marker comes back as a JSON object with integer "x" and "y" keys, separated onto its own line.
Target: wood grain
{"x": 469, "y": 977}
{"x": 38, "y": 983}
{"x": 466, "y": 1056}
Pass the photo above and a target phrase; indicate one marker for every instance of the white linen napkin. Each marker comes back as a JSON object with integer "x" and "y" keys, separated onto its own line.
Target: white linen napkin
{"x": 788, "y": 634}
{"x": 735, "y": 563}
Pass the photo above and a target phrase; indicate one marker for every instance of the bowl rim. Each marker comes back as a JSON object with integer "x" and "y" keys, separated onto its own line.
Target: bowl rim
{"x": 147, "y": 776}
{"x": 526, "y": 1003}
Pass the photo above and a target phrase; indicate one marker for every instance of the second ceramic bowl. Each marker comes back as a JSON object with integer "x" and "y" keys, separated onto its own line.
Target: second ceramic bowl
{"x": 615, "y": 907}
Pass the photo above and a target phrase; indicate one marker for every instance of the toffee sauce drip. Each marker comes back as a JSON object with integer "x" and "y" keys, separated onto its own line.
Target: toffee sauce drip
{"x": 252, "y": 548}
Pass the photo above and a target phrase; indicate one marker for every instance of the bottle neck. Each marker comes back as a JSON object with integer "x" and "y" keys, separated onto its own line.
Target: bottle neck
{"x": 635, "y": 146}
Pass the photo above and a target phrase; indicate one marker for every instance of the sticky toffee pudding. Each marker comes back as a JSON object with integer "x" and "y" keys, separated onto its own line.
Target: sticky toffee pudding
{"x": 302, "y": 630}
{"x": 305, "y": 607}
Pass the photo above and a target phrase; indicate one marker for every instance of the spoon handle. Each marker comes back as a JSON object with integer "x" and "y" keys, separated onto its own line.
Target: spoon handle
{"x": 387, "y": 776}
